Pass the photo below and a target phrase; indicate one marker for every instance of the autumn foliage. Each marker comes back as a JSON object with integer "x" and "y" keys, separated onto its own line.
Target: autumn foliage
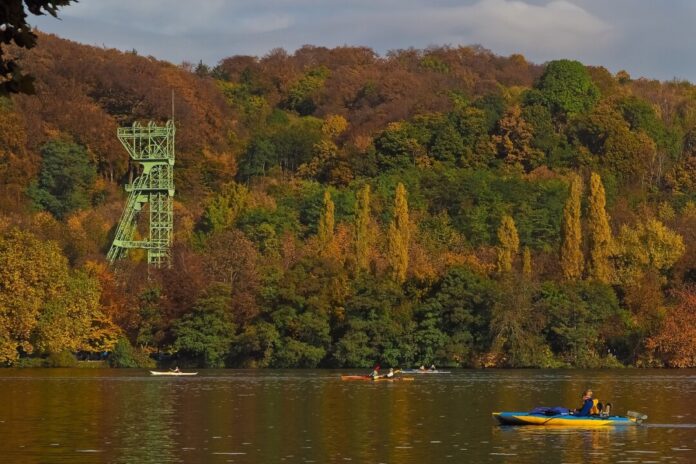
{"x": 336, "y": 208}
{"x": 675, "y": 342}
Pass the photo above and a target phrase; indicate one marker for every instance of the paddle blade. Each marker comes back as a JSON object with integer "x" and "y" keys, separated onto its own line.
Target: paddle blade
{"x": 638, "y": 416}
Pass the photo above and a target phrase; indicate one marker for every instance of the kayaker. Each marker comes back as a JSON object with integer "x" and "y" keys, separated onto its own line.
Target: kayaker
{"x": 390, "y": 374}
{"x": 422, "y": 368}
{"x": 587, "y": 404}
{"x": 176, "y": 369}
{"x": 375, "y": 372}
{"x": 433, "y": 368}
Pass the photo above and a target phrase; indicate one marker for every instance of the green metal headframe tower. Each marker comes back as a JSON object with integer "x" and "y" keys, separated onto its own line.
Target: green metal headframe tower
{"x": 153, "y": 147}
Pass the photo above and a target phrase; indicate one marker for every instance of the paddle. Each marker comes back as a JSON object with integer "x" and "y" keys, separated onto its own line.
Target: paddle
{"x": 638, "y": 416}
{"x": 396, "y": 371}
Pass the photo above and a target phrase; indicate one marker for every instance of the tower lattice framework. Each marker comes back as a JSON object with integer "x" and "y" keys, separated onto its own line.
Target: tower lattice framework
{"x": 153, "y": 147}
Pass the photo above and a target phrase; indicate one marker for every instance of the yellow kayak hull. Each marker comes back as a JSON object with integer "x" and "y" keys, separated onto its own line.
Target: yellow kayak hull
{"x": 525, "y": 418}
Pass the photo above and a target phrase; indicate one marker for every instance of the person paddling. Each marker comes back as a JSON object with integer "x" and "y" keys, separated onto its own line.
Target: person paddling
{"x": 587, "y": 404}
{"x": 375, "y": 372}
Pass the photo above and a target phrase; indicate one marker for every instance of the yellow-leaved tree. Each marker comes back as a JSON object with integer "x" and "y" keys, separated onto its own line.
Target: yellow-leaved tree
{"x": 571, "y": 233}
{"x": 513, "y": 140}
{"x": 649, "y": 245}
{"x": 509, "y": 244}
{"x": 65, "y": 321}
{"x": 399, "y": 236}
{"x": 44, "y": 306}
{"x": 598, "y": 233}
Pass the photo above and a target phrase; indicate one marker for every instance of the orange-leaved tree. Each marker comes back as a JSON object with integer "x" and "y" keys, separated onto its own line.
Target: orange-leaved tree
{"x": 675, "y": 342}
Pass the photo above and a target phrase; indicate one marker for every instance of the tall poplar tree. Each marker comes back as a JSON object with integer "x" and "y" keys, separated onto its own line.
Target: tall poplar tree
{"x": 571, "y": 233}
{"x": 363, "y": 233}
{"x": 399, "y": 236}
{"x": 598, "y": 232}
{"x": 326, "y": 224}
{"x": 509, "y": 244}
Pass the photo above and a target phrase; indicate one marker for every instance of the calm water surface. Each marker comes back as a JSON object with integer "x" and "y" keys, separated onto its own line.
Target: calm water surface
{"x": 260, "y": 417}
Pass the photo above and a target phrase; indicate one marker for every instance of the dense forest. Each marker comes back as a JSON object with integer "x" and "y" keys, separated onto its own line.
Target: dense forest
{"x": 337, "y": 208}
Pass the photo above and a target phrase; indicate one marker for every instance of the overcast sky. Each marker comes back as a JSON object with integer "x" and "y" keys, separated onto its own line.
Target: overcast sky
{"x": 650, "y": 38}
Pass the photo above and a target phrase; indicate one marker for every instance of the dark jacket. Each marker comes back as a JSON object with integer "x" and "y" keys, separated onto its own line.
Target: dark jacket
{"x": 586, "y": 407}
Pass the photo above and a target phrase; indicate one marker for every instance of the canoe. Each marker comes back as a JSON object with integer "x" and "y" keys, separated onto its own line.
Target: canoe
{"x": 418, "y": 371}
{"x": 175, "y": 374}
{"x": 566, "y": 420}
{"x": 379, "y": 379}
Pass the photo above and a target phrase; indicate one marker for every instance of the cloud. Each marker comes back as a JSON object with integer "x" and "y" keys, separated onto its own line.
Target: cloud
{"x": 557, "y": 28}
{"x": 260, "y": 24}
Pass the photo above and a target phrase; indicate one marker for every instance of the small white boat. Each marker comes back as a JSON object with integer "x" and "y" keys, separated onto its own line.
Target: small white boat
{"x": 172, "y": 373}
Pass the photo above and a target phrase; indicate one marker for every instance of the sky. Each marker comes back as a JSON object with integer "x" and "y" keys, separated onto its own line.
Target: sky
{"x": 648, "y": 38}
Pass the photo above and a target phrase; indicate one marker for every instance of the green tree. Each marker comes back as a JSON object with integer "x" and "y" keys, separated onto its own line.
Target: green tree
{"x": 256, "y": 345}
{"x": 302, "y": 94}
{"x": 224, "y": 208}
{"x": 571, "y": 233}
{"x": 493, "y": 107}
{"x": 454, "y": 317}
{"x": 567, "y": 88}
{"x": 581, "y": 318}
{"x": 508, "y": 244}
{"x": 606, "y": 141}
{"x": 398, "y": 146}
{"x": 259, "y": 156}
{"x": 641, "y": 116}
{"x": 446, "y": 144}
{"x": 516, "y": 328}
{"x": 206, "y": 333}
{"x": 375, "y": 327}
{"x": 399, "y": 236}
{"x": 598, "y": 233}
{"x": 124, "y": 355}
{"x": 544, "y": 133}
{"x": 299, "y": 303}
{"x": 473, "y": 126}
{"x": 65, "y": 180}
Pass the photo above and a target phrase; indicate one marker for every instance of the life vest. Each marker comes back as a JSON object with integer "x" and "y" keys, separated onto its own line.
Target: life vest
{"x": 595, "y": 407}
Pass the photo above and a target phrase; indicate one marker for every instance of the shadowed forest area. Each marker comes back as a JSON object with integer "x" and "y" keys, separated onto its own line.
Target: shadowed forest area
{"x": 337, "y": 208}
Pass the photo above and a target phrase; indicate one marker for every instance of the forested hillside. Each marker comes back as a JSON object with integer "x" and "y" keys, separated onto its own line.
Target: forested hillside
{"x": 339, "y": 208}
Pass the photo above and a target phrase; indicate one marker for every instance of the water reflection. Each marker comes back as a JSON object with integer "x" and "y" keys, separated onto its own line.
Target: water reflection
{"x": 254, "y": 417}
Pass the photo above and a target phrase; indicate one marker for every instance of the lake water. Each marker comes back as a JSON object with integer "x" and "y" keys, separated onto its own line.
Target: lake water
{"x": 302, "y": 416}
